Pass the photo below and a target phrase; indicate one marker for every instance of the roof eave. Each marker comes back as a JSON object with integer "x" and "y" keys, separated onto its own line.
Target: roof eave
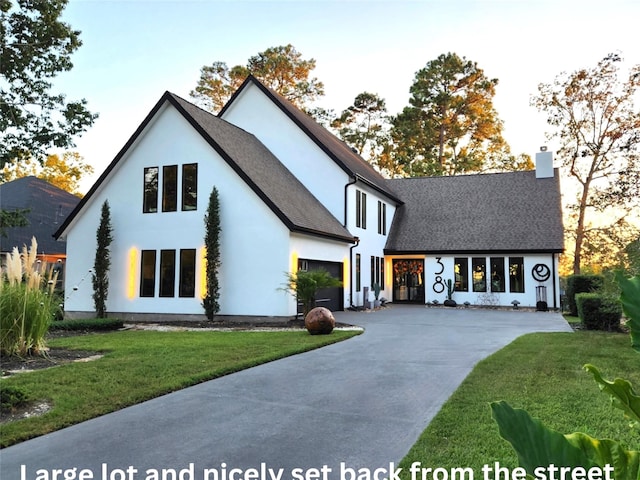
{"x": 316, "y": 140}
{"x": 325, "y": 235}
{"x": 61, "y": 231}
{"x": 504, "y": 251}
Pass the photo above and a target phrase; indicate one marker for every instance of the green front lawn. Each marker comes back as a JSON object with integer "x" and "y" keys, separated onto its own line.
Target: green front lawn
{"x": 139, "y": 365}
{"x": 543, "y": 374}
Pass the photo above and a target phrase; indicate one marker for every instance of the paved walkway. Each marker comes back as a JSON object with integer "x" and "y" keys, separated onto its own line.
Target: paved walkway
{"x": 364, "y": 402}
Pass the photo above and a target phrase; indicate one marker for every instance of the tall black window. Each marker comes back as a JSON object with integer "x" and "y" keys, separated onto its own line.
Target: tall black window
{"x": 187, "y": 286}
{"x": 461, "y": 272}
{"x": 497, "y": 274}
{"x": 170, "y": 188}
{"x": 516, "y": 274}
{"x": 167, "y": 273}
{"x": 382, "y": 218}
{"x": 358, "y": 282}
{"x": 190, "y": 186}
{"x": 377, "y": 272}
{"x": 479, "y": 272}
{"x": 361, "y": 209}
{"x": 150, "y": 200}
{"x": 148, "y": 273}
{"x": 373, "y": 271}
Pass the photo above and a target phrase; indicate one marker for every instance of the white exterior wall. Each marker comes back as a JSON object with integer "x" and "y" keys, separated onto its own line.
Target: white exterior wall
{"x": 316, "y": 248}
{"x": 254, "y": 112}
{"x": 371, "y": 242}
{"x": 254, "y": 242}
{"x": 433, "y": 269}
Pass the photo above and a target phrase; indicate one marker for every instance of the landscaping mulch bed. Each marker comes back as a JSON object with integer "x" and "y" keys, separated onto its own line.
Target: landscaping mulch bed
{"x": 14, "y": 364}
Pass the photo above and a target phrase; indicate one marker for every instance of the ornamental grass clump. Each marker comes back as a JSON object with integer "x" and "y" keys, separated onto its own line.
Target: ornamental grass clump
{"x": 27, "y": 302}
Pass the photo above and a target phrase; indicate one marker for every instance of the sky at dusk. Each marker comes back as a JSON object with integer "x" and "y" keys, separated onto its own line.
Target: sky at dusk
{"x": 135, "y": 50}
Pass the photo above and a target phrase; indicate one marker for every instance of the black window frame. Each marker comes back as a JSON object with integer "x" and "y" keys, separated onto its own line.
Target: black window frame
{"x": 170, "y": 188}
{"x": 148, "y": 282}
{"x": 461, "y": 276}
{"x": 150, "y": 190}
{"x": 382, "y": 218}
{"x": 479, "y": 286}
{"x": 187, "y": 273}
{"x": 498, "y": 284}
{"x": 361, "y": 209}
{"x": 516, "y": 274}
{"x": 167, "y": 285}
{"x": 189, "y": 187}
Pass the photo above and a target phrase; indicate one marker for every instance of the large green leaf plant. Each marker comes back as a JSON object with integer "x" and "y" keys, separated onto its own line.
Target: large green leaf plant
{"x": 538, "y": 447}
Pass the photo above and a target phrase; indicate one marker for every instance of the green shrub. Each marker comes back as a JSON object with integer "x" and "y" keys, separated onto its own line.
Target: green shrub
{"x": 598, "y": 312}
{"x": 11, "y": 397}
{"x": 305, "y": 284}
{"x": 88, "y": 324}
{"x": 581, "y": 284}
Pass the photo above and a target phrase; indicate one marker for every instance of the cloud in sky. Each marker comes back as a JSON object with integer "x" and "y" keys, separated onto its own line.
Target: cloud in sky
{"x": 134, "y": 50}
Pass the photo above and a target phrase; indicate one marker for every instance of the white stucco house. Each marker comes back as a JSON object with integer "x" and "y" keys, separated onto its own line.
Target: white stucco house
{"x": 293, "y": 196}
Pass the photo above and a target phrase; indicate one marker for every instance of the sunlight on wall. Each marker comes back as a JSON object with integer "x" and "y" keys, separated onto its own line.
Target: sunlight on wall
{"x": 203, "y": 272}
{"x": 345, "y": 272}
{"x": 133, "y": 268}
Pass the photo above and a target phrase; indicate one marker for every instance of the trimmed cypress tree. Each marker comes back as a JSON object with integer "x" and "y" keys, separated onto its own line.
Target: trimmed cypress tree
{"x": 100, "y": 278}
{"x": 212, "y": 244}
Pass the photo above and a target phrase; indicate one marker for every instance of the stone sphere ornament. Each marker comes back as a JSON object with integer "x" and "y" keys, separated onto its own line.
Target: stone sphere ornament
{"x": 319, "y": 321}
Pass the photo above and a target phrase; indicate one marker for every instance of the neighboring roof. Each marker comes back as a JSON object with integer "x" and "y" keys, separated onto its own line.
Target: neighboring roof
{"x": 48, "y": 205}
{"x": 502, "y": 212}
{"x": 298, "y": 209}
{"x": 352, "y": 163}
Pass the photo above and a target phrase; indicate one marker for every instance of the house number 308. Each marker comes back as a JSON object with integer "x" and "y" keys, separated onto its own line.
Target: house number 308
{"x": 438, "y": 285}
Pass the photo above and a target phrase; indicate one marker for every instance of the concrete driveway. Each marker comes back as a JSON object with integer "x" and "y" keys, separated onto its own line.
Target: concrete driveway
{"x": 363, "y": 402}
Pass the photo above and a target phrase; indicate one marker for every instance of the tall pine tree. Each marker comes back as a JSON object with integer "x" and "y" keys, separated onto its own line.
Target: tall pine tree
{"x": 212, "y": 244}
{"x": 102, "y": 262}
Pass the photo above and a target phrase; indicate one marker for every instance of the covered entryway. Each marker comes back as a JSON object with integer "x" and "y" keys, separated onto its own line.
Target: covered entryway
{"x": 408, "y": 280}
{"x": 331, "y": 298}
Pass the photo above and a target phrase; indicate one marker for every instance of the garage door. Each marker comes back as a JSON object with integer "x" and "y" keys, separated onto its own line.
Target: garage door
{"x": 331, "y": 298}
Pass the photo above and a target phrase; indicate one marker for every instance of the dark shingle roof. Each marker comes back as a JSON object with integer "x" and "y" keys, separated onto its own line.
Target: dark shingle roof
{"x": 352, "y": 163}
{"x": 269, "y": 178}
{"x": 298, "y": 209}
{"x": 48, "y": 205}
{"x": 507, "y": 212}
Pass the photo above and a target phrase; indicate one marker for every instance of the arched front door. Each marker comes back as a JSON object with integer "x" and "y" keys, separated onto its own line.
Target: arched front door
{"x": 408, "y": 280}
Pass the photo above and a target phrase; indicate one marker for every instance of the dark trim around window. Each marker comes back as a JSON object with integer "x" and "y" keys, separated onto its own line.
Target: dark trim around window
{"x": 169, "y": 188}
{"x": 190, "y": 186}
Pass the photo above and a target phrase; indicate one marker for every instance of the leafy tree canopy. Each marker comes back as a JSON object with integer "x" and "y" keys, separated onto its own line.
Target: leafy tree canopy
{"x": 596, "y": 123}
{"x": 64, "y": 171}
{"x": 450, "y": 126}
{"x": 364, "y": 126}
{"x": 35, "y": 45}
{"x": 280, "y": 68}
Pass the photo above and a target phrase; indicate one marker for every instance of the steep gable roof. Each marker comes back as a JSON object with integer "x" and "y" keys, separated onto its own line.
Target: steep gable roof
{"x": 502, "y": 212}
{"x": 48, "y": 206}
{"x": 350, "y": 162}
{"x": 296, "y": 207}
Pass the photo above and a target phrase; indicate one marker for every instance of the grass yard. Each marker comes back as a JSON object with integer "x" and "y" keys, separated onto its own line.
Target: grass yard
{"x": 543, "y": 374}
{"x": 140, "y": 365}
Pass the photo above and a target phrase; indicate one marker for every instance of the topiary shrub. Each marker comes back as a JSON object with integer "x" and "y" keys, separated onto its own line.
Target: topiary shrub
{"x": 581, "y": 284}
{"x": 598, "y": 312}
